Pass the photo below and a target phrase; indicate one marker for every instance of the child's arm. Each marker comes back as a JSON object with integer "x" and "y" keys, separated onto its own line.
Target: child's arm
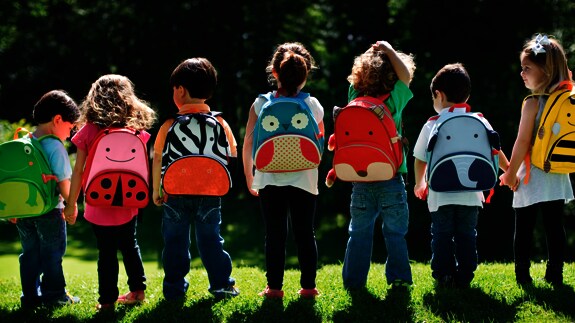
{"x": 399, "y": 66}
{"x": 247, "y": 151}
{"x": 71, "y": 208}
{"x": 522, "y": 144}
{"x": 157, "y": 163}
{"x": 420, "y": 188}
{"x": 503, "y": 161}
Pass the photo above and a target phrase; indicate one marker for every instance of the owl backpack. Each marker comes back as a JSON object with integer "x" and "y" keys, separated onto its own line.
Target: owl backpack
{"x": 27, "y": 185}
{"x": 196, "y": 159}
{"x": 462, "y": 152}
{"x": 286, "y": 135}
{"x": 367, "y": 146}
{"x": 554, "y": 144}
{"x": 116, "y": 172}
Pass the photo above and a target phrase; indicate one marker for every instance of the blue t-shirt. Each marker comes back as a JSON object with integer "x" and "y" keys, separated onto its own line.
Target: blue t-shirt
{"x": 58, "y": 159}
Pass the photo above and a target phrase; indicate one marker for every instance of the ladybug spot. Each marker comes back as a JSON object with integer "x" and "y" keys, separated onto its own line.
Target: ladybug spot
{"x": 141, "y": 196}
{"x": 107, "y": 197}
{"x": 106, "y": 183}
{"x": 128, "y": 195}
{"x": 94, "y": 195}
{"x": 132, "y": 183}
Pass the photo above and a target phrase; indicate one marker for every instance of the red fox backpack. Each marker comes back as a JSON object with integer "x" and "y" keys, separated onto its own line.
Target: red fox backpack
{"x": 554, "y": 144}
{"x": 462, "y": 152}
{"x": 286, "y": 135}
{"x": 196, "y": 159}
{"x": 116, "y": 172}
{"x": 27, "y": 185}
{"x": 367, "y": 146}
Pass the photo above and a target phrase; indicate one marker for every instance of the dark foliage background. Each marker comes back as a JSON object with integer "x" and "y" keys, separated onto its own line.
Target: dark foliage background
{"x": 68, "y": 44}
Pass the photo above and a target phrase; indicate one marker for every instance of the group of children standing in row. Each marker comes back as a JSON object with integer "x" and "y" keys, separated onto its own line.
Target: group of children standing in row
{"x": 290, "y": 198}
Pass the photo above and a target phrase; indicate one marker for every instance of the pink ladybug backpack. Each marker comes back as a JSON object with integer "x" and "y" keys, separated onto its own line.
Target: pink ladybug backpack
{"x": 117, "y": 172}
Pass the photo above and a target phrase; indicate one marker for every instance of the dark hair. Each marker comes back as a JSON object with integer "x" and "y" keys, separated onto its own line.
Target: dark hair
{"x": 53, "y": 103}
{"x": 197, "y": 75}
{"x": 454, "y": 81}
{"x": 292, "y": 62}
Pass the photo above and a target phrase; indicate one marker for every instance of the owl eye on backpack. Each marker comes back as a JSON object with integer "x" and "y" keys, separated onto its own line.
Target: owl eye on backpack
{"x": 196, "y": 159}
{"x": 116, "y": 172}
{"x": 286, "y": 135}
{"x": 27, "y": 185}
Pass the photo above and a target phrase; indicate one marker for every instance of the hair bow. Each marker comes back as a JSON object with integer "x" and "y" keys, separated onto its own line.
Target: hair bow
{"x": 539, "y": 42}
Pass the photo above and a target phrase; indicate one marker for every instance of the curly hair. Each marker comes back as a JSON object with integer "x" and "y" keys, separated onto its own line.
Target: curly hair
{"x": 552, "y": 62}
{"x": 372, "y": 73}
{"x": 112, "y": 102}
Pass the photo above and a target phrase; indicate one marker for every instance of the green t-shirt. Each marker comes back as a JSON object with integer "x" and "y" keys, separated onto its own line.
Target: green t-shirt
{"x": 398, "y": 98}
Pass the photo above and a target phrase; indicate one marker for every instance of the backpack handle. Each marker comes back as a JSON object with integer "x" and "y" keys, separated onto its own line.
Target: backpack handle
{"x": 21, "y": 129}
{"x": 460, "y": 106}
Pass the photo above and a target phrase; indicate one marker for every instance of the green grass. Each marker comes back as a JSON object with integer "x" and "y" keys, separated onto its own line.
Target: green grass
{"x": 493, "y": 297}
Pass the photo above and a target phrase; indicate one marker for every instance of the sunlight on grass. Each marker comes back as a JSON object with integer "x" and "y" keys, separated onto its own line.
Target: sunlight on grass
{"x": 493, "y": 297}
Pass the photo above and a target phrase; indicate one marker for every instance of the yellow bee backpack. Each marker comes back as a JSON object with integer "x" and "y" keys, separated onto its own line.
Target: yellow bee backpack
{"x": 554, "y": 145}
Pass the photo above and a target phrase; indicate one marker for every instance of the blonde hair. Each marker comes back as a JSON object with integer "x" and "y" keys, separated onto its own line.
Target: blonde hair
{"x": 373, "y": 74}
{"x": 112, "y": 102}
{"x": 552, "y": 62}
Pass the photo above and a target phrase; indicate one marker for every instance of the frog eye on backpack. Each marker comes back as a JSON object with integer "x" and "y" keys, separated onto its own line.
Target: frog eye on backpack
{"x": 27, "y": 150}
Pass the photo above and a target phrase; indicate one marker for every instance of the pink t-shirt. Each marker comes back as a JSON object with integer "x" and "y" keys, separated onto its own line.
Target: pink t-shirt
{"x": 83, "y": 140}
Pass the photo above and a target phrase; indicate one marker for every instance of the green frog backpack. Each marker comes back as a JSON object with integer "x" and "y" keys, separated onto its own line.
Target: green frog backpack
{"x": 27, "y": 185}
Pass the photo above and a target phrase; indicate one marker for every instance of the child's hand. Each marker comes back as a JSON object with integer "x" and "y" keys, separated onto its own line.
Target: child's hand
{"x": 420, "y": 190}
{"x": 70, "y": 213}
{"x": 510, "y": 180}
{"x": 157, "y": 199}
{"x": 382, "y": 45}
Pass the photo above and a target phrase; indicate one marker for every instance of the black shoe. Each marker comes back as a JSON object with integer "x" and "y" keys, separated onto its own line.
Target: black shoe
{"x": 445, "y": 282}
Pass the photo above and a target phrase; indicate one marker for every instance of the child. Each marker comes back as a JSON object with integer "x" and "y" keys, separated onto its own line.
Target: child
{"x": 291, "y": 195}
{"x": 543, "y": 70}
{"x": 379, "y": 71}
{"x": 111, "y": 102}
{"x": 453, "y": 215}
{"x": 193, "y": 82}
{"x": 43, "y": 238}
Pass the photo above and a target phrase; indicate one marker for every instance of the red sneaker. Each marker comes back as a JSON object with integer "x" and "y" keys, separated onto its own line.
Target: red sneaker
{"x": 308, "y": 293}
{"x": 132, "y": 298}
{"x": 272, "y": 293}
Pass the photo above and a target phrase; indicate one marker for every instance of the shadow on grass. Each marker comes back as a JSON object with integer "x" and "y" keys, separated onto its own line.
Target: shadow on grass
{"x": 468, "y": 305}
{"x": 560, "y": 299}
{"x": 366, "y": 307}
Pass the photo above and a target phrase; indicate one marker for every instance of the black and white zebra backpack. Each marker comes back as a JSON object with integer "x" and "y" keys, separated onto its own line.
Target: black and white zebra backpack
{"x": 196, "y": 157}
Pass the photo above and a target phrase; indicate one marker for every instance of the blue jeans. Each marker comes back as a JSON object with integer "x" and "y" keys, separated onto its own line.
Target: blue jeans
{"x": 387, "y": 199}
{"x": 178, "y": 214}
{"x": 453, "y": 242}
{"x": 43, "y": 240}
{"x": 110, "y": 239}
{"x": 282, "y": 206}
